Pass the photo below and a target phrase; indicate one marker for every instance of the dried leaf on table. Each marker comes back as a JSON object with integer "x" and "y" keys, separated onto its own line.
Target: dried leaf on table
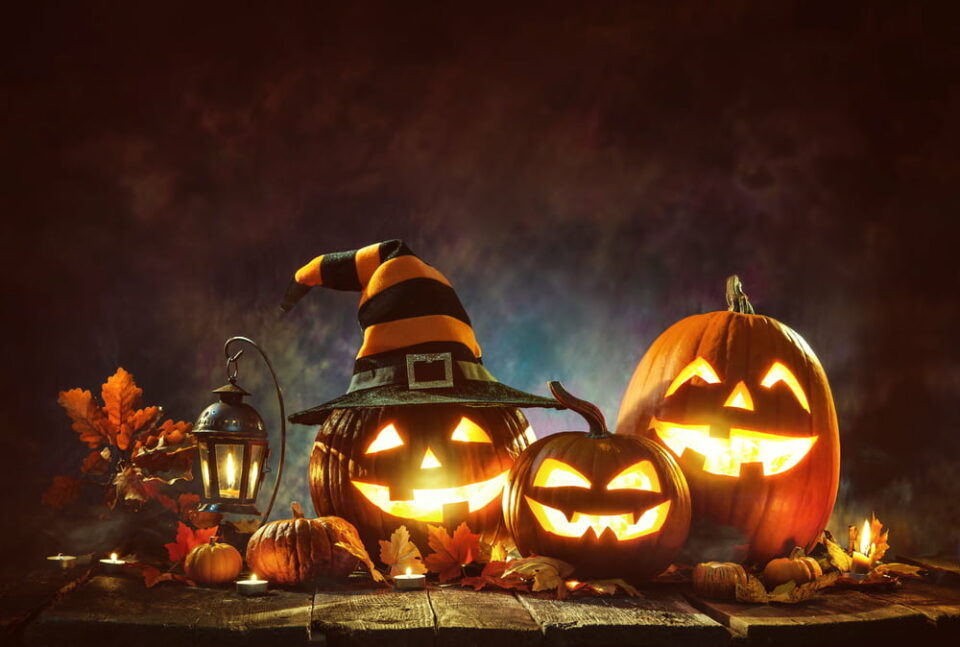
{"x": 833, "y": 554}
{"x": 496, "y": 552}
{"x": 88, "y": 418}
{"x": 789, "y": 593}
{"x": 878, "y": 538}
{"x": 897, "y": 569}
{"x": 62, "y": 491}
{"x": 493, "y": 575}
{"x": 752, "y": 591}
{"x": 187, "y": 540}
{"x": 602, "y": 587}
{"x": 547, "y": 573}
{"x": 451, "y": 553}
{"x": 352, "y": 544}
{"x": 121, "y": 396}
{"x": 153, "y": 576}
{"x": 401, "y": 554}
{"x": 242, "y": 526}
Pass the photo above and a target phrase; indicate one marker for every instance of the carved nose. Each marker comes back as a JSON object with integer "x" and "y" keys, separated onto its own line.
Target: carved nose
{"x": 740, "y": 397}
{"x": 430, "y": 460}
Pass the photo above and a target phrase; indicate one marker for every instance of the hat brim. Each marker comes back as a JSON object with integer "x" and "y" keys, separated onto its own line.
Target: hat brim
{"x": 473, "y": 393}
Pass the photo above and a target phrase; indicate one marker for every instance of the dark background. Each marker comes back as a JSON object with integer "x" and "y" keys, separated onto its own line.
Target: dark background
{"x": 585, "y": 175}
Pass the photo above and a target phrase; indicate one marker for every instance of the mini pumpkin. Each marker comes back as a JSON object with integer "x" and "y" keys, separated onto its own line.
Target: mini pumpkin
{"x": 718, "y": 579}
{"x": 610, "y": 505}
{"x": 213, "y": 563}
{"x": 797, "y": 567}
{"x": 743, "y": 403}
{"x": 299, "y": 550}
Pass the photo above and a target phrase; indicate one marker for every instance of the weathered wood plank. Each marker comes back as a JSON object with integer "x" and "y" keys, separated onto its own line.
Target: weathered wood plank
{"x": 833, "y": 618}
{"x": 466, "y": 617}
{"x": 378, "y": 616}
{"x": 940, "y": 604}
{"x": 280, "y": 617}
{"x": 661, "y": 619}
{"x": 934, "y": 564}
{"x": 24, "y": 593}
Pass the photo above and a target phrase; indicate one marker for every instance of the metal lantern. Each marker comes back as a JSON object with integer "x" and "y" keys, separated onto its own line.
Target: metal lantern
{"x": 233, "y": 445}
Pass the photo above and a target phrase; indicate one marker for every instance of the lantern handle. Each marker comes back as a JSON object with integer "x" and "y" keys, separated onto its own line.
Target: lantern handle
{"x": 232, "y": 364}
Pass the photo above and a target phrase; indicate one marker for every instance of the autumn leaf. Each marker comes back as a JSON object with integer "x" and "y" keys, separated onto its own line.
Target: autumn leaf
{"x": 167, "y": 464}
{"x": 187, "y": 506}
{"x": 401, "y": 554}
{"x": 121, "y": 396}
{"x": 242, "y": 526}
{"x": 62, "y": 491}
{"x": 153, "y": 576}
{"x": 836, "y": 556}
{"x": 897, "y": 569}
{"x": 350, "y": 542}
{"x": 789, "y": 593}
{"x": 878, "y": 538}
{"x": 129, "y": 486}
{"x": 493, "y": 575}
{"x": 187, "y": 540}
{"x": 609, "y": 587}
{"x": 94, "y": 463}
{"x": 547, "y": 573}
{"x": 88, "y": 418}
{"x": 451, "y": 553}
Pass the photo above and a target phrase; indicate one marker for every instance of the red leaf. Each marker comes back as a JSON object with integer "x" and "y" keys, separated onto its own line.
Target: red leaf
{"x": 63, "y": 490}
{"x": 94, "y": 464}
{"x": 452, "y": 553}
{"x": 187, "y": 540}
{"x": 153, "y": 576}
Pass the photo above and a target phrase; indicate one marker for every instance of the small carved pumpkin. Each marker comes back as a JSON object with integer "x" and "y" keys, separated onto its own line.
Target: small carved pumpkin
{"x": 743, "y": 403}
{"x": 610, "y": 505}
{"x": 213, "y": 563}
{"x": 299, "y": 550}
{"x": 718, "y": 580}
{"x": 797, "y": 567}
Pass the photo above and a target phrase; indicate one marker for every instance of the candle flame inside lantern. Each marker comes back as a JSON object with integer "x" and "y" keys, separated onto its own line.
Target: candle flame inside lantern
{"x": 865, "y": 539}
{"x": 231, "y": 471}
{"x": 113, "y": 557}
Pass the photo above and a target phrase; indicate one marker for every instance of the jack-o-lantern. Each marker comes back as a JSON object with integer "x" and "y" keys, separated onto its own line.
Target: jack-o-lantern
{"x": 425, "y": 434}
{"x": 743, "y": 403}
{"x": 610, "y": 505}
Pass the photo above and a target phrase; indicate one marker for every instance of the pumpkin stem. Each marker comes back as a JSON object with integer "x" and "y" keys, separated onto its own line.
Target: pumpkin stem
{"x": 737, "y": 300}
{"x": 590, "y": 412}
{"x": 297, "y": 510}
{"x": 797, "y": 553}
{"x": 212, "y": 540}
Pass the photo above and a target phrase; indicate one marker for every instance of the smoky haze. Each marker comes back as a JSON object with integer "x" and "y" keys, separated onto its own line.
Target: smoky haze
{"x": 585, "y": 176}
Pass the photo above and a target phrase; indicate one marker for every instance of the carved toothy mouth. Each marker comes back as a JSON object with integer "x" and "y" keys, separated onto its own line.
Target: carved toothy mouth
{"x": 624, "y": 526}
{"x": 427, "y": 505}
{"x": 725, "y": 456}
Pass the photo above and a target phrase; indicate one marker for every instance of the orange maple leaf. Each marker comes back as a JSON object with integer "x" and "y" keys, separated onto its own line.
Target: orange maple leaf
{"x": 121, "y": 395}
{"x": 879, "y": 537}
{"x": 452, "y": 553}
{"x": 88, "y": 418}
{"x": 492, "y": 575}
{"x": 401, "y": 554}
{"x": 187, "y": 540}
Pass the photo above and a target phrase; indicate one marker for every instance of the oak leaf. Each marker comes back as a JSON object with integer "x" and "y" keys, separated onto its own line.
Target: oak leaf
{"x": 547, "y": 573}
{"x": 63, "y": 490}
{"x": 121, "y": 396}
{"x": 94, "y": 463}
{"x": 451, "y": 553}
{"x": 493, "y": 575}
{"x": 88, "y": 418}
{"x": 187, "y": 540}
{"x": 401, "y": 554}
{"x": 350, "y": 542}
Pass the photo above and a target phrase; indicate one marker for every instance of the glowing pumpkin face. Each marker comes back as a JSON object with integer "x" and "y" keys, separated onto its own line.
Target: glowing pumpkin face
{"x": 608, "y": 504}
{"x": 417, "y": 465}
{"x": 743, "y": 403}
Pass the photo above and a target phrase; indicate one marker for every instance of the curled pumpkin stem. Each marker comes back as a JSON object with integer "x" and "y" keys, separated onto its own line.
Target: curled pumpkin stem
{"x": 737, "y": 300}
{"x": 590, "y": 411}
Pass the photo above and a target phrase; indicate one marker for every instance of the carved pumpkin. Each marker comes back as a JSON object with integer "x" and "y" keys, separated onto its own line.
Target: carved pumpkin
{"x": 384, "y": 467}
{"x": 299, "y": 550}
{"x": 743, "y": 403}
{"x": 213, "y": 563}
{"x": 718, "y": 580}
{"x": 610, "y": 505}
{"x": 797, "y": 567}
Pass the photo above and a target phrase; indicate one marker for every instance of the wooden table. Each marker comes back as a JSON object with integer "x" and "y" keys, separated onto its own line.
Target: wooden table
{"x": 82, "y": 608}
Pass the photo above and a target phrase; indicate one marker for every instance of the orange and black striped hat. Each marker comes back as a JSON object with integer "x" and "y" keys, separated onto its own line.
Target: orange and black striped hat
{"x": 418, "y": 343}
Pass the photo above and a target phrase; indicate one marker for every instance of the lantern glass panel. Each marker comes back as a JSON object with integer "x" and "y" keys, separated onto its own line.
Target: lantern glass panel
{"x": 229, "y": 469}
{"x": 205, "y": 469}
{"x": 256, "y": 460}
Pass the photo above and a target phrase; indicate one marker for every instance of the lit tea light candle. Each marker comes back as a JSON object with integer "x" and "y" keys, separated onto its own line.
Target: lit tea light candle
{"x": 112, "y": 566}
{"x": 410, "y": 581}
{"x": 252, "y": 586}
{"x": 863, "y": 558}
{"x": 62, "y": 561}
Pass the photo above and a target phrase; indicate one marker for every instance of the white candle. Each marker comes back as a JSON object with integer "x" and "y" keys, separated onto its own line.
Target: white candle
{"x": 62, "y": 561}
{"x": 252, "y": 586}
{"x": 112, "y": 566}
{"x": 410, "y": 581}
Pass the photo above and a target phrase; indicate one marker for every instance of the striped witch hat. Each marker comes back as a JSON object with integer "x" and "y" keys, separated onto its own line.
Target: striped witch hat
{"x": 418, "y": 344}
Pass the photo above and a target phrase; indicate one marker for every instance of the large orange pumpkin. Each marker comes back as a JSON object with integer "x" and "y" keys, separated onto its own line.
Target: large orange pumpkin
{"x": 610, "y": 505}
{"x": 744, "y": 404}
{"x": 383, "y": 467}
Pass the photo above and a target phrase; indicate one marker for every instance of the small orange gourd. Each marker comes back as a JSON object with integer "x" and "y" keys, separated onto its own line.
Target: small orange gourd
{"x": 213, "y": 563}
{"x": 797, "y": 567}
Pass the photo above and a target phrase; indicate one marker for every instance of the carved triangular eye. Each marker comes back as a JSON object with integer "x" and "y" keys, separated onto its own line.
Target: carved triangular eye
{"x": 468, "y": 431}
{"x": 697, "y": 368}
{"x": 780, "y": 373}
{"x": 639, "y": 476}
{"x": 740, "y": 397}
{"x": 387, "y": 438}
{"x": 554, "y": 473}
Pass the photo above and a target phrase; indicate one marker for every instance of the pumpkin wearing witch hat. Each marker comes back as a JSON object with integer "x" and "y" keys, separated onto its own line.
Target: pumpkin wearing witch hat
{"x": 424, "y": 434}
